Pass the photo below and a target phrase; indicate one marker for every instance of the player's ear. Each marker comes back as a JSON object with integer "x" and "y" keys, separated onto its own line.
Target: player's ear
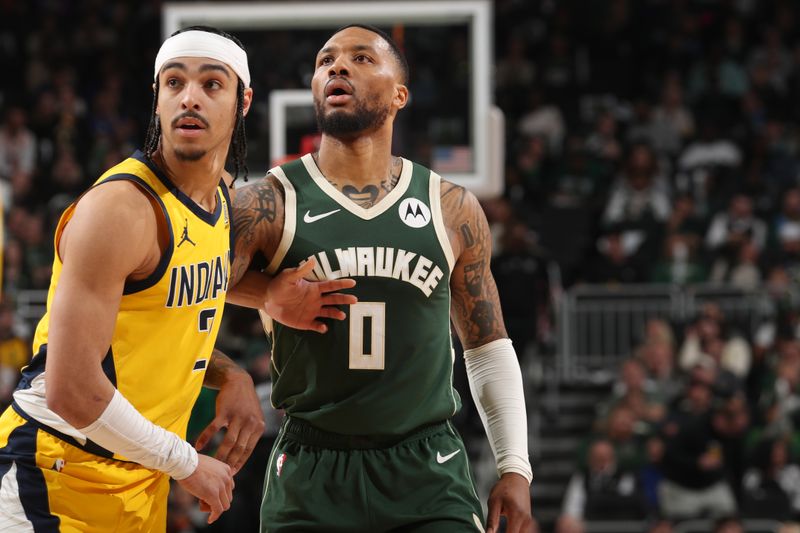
{"x": 401, "y": 95}
{"x": 248, "y": 99}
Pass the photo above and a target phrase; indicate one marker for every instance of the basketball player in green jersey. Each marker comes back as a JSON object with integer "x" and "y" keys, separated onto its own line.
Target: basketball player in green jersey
{"x": 367, "y": 444}
{"x": 99, "y": 418}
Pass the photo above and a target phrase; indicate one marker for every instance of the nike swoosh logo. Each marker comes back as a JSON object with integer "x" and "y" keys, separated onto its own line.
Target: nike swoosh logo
{"x": 444, "y": 458}
{"x": 308, "y": 219}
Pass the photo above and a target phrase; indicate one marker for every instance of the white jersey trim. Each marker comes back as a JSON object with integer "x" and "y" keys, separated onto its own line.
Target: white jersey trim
{"x": 438, "y": 219}
{"x": 337, "y": 196}
{"x": 34, "y": 402}
{"x": 289, "y": 219}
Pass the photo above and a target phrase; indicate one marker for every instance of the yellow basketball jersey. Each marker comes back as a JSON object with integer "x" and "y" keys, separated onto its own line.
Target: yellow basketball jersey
{"x": 167, "y": 323}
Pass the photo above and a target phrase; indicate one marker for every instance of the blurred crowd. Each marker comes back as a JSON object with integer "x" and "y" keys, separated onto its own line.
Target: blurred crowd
{"x": 701, "y": 423}
{"x": 647, "y": 141}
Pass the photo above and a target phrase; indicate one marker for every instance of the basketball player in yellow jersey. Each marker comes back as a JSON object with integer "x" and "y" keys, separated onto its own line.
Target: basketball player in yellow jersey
{"x": 140, "y": 276}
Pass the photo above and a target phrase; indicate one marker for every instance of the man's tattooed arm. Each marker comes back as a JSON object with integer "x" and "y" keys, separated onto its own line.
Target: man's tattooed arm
{"x": 221, "y": 369}
{"x": 258, "y": 218}
{"x": 475, "y": 308}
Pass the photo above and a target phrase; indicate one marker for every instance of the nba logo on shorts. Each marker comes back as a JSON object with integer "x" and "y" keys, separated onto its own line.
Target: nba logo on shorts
{"x": 279, "y": 464}
{"x": 58, "y": 465}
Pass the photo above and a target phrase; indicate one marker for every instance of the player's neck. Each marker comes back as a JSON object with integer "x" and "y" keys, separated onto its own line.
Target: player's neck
{"x": 361, "y": 161}
{"x": 196, "y": 179}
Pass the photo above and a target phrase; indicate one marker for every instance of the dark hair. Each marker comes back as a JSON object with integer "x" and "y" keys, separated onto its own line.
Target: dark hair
{"x": 238, "y": 147}
{"x": 396, "y": 52}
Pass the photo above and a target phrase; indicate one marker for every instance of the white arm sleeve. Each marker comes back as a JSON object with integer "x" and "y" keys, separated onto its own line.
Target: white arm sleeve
{"x": 496, "y": 384}
{"x": 123, "y": 430}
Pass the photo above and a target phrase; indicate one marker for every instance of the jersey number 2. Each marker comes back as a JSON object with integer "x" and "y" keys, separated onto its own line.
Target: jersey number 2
{"x": 367, "y": 335}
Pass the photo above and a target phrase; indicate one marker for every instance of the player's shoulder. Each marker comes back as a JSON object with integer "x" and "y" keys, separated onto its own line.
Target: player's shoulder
{"x": 123, "y": 198}
{"x": 255, "y": 190}
{"x": 458, "y": 202}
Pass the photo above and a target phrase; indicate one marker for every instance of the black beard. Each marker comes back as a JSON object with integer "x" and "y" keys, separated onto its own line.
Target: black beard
{"x": 194, "y": 155}
{"x": 340, "y": 123}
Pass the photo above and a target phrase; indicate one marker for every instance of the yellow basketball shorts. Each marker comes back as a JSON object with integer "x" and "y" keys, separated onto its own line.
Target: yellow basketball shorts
{"x": 48, "y": 485}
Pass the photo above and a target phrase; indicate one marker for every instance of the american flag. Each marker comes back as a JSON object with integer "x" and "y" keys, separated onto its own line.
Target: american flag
{"x": 452, "y": 159}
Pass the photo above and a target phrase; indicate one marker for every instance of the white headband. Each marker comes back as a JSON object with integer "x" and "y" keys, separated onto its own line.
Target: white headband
{"x": 197, "y": 43}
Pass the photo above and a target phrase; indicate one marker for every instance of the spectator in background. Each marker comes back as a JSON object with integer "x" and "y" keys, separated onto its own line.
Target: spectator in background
{"x": 658, "y": 357}
{"x": 772, "y": 482}
{"x": 618, "y": 259}
{"x": 601, "y": 491}
{"x": 67, "y": 179}
{"x": 769, "y": 68}
{"x": 602, "y": 142}
{"x": 658, "y": 329}
{"x": 620, "y": 429}
{"x": 672, "y": 123}
{"x": 779, "y": 400}
{"x": 634, "y": 215}
{"x": 532, "y": 169}
{"x": 730, "y": 229}
{"x": 542, "y": 119}
{"x": 685, "y": 222}
{"x": 521, "y": 277}
{"x": 640, "y": 126}
{"x": 514, "y": 73}
{"x": 679, "y": 263}
{"x": 38, "y": 252}
{"x": 730, "y": 422}
{"x": 17, "y": 144}
{"x": 636, "y": 199}
{"x": 499, "y": 215}
{"x": 711, "y": 337}
{"x": 13, "y": 269}
{"x": 578, "y": 181}
{"x": 705, "y": 168}
{"x": 785, "y": 230}
{"x": 694, "y": 474}
{"x": 15, "y": 353}
{"x": 743, "y": 272}
{"x": 558, "y": 69}
{"x": 17, "y": 152}
{"x": 634, "y": 391}
{"x": 44, "y": 121}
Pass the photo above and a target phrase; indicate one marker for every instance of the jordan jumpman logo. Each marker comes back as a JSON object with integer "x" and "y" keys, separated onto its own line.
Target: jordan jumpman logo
{"x": 185, "y": 236}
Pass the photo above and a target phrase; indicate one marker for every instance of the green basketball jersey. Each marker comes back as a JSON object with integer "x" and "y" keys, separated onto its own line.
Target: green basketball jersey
{"x": 388, "y": 367}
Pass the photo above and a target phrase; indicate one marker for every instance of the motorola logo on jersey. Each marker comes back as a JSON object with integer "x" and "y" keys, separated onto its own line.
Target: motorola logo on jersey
{"x": 414, "y": 213}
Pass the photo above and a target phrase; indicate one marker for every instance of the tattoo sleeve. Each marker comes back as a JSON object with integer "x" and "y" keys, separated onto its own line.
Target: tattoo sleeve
{"x": 220, "y": 369}
{"x": 475, "y": 308}
{"x": 257, "y": 223}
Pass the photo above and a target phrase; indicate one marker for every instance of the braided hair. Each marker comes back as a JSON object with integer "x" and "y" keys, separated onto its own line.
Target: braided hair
{"x": 237, "y": 151}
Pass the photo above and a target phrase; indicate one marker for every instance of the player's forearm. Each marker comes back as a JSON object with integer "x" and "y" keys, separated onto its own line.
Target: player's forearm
{"x": 121, "y": 429}
{"x": 250, "y": 291}
{"x": 496, "y": 384}
{"x": 222, "y": 369}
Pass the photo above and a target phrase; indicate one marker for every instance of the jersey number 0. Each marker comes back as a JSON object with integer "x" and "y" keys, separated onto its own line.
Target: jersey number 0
{"x": 367, "y": 335}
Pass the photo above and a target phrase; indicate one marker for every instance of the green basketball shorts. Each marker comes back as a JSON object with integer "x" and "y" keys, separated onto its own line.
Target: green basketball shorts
{"x": 323, "y": 482}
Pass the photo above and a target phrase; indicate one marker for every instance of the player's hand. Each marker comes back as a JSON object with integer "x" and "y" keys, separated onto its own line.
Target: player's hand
{"x": 298, "y": 303}
{"x": 212, "y": 483}
{"x": 510, "y": 497}
{"x": 239, "y": 411}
